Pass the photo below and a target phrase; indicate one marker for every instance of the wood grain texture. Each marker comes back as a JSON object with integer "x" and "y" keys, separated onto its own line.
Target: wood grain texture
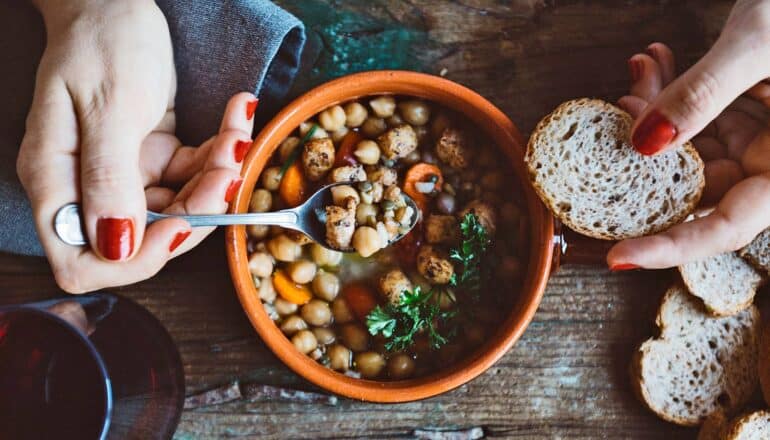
{"x": 566, "y": 377}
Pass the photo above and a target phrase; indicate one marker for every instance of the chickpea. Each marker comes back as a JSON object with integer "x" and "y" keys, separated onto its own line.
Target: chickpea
{"x": 486, "y": 158}
{"x": 400, "y": 366}
{"x": 415, "y": 112}
{"x": 333, "y": 118}
{"x": 446, "y": 299}
{"x": 383, "y": 106}
{"x": 324, "y": 336}
{"x": 261, "y": 264}
{"x": 284, "y": 307}
{"x": 319, "y": 132}
{"x": 412, "y": 157}
{"x": 284, "y": 248}
{"x": 366, "y": 241}
{"x": 394, "y": 120}
{"x": 373, "y": 127}
{"x": 366, "y": 214}
{"x": 266, "y": 290}
{"x": 369, "y": 364}
{"x": 354, "y": 337}
{"x": 339, "y": 357}
{"x": 338, "y": 135}
{"x": 355, "y": 114}
{"x": 316, "y": 312}
{"x": 257, "y": 231}
{"x": 440, "y": 123}
{"x": 292, "y": 325}
{"x": 287, "y": 146}
{"x": 367, "y": 152}
{"x": 261, "y": 201}
{"x": 301, "y": 271}
{"x": 421, "y": 131}
{"x": 326, "y": 286}
{"x": 304, "y": 341}
{"x": 271, "y": 178}
{"x": 341, "y": 311}
{"x": 325, "y": 257}
{"x": 341, "y": 193}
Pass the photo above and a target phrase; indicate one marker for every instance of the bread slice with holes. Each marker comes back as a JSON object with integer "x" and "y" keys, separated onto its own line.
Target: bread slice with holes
{"x": 758, "y": 251}
{"x": 726, "y": 283}
{"x": 751, "y": 426}
{"x": 583, "y": 167}
{"x": 699, "y": 364}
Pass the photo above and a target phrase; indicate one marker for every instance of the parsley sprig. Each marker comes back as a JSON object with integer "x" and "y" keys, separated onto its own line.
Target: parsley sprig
{"x": 415, "y": 313}
{"x": 475, "y": 242}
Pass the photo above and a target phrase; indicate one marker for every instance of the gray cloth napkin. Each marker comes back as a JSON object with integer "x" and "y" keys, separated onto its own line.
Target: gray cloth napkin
{"x": 220, "y": 48}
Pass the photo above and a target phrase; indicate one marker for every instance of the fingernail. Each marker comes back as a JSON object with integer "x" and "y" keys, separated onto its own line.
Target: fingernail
{"x": 241, "y": 148}
{"x": 232, "y": 189}
{"x": 650, "y": 50}
{"x": 653, "y": 133}
{"x": 636, "y": 69}
{"x": 251, "y": 107}
{"x": 179, "y": 238}
{"x": 115, "y": 237}
{"x": 623, "y": 266}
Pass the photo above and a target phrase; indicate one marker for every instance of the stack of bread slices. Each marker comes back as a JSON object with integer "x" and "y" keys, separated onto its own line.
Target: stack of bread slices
{"x": 709, "y": 358}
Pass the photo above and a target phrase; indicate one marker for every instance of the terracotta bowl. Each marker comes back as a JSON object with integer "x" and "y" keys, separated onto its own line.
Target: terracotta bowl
{"x": 499, "y": 129}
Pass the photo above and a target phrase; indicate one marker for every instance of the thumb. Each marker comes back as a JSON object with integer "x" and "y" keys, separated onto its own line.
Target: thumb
{"x": 114, "y": 206}
{"x": 688, "y": 104}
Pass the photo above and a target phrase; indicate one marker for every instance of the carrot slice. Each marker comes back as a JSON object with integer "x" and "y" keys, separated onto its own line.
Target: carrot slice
{"x": 293, "y": 188}
{"x": 360, "y": 299}
{"x": 421, "y": 172}
{"x": 289, "y": 290}
{"x": 344, "y": 154}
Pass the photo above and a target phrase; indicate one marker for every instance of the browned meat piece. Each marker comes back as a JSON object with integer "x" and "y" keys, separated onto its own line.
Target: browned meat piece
{"x": 442, "y": 229}
{"x": 393, "y": 284}
{"x": 452, "y": 148}
{"x": 486, "y": 214}
{"x": 341, "y": 224}
{"x": 348, "y": 173}
{"x": 318, "y": 158}
{"x": 433, "y": 266}
{"x": 398, "y": 142}
{"x": 384, "y": 175}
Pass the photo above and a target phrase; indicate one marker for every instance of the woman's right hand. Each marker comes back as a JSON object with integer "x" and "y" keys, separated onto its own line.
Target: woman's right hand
{"x": 730, "y": 131}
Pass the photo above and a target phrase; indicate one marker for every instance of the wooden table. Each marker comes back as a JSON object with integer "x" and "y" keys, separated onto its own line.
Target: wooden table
{"x": 567, "y": 376}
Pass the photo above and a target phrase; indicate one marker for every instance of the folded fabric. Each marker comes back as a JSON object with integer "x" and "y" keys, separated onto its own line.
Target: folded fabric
{"x": 220, "y": 48}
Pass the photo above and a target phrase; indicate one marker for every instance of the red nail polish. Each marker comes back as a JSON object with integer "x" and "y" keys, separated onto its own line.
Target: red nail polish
{"x": 653, "y": 133}
{"x": 636, "y": 69}
{"x": 115, "y": 237}
{"x": 240, "y": 150}
{"x": 623, "y": 266}
{"x": 179, "y": 238}
{"x": 251, "y": 107}
{"x": 232, "y": 189}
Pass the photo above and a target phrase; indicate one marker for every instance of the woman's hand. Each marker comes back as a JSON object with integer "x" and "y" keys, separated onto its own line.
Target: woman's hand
{"x": 100, "y": 132}
{"x": 730, "y": 130}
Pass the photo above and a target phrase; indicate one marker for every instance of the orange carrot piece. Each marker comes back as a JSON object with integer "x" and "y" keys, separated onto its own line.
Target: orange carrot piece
{"x": 360, "y": 299}
{"x": 421, "y": 172}
{"x": 344, "y": 154}
{"x": 289, "y": 290}
{"x": 293, "y": 188}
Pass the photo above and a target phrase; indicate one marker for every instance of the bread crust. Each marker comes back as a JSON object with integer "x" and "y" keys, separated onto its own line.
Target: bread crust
{"x": 588, "y": 230}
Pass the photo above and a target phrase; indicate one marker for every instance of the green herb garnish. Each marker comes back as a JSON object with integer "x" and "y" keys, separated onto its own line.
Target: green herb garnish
{"x": 475, "y": 242}
{"x": 295, "y": 152}
{"x": 414, "y": 314}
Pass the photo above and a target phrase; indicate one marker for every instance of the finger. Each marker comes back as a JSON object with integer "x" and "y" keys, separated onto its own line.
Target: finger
{"x": 646, "y": 77}
{"x": 665, "y": 59}
{"x": 721, "y": 175}
{"x": 751, "y": 107}
{"x": 157, "y": 150}
{"x": 756, "y": 158}
{"x": 709, "y": 148}
{"x": 87, "y": 272}
{"x": 209, "y": 193}
{"x": 634, "y": 105}
{"x": 761, "y": 92}
{"x": 239, "y": 113}
{"x": 694, "y": 99}
{"x": 741, "y": 214}
{"x": 159, "y": 198}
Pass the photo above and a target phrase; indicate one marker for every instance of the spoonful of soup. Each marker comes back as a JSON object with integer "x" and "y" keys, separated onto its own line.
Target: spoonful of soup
{"x": 331, "y": 217}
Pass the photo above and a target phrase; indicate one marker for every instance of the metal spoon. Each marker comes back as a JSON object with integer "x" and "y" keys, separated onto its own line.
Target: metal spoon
{"x": 304, "y": 218}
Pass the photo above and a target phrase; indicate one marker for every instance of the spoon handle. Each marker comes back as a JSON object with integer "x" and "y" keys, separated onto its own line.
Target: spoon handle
{"x": 286, "y": 218}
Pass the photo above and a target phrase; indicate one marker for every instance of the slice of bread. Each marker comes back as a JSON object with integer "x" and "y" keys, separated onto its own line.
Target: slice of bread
{"x": 726, "y": 283}
{"x": 699, "y": 364}
{"x": 758, "y": 251}
{"x": 751, "y": 426}
{"x": 585, "y": 170}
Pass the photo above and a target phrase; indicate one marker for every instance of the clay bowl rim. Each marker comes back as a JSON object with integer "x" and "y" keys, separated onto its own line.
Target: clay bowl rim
{"x": 499, "y": 128}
